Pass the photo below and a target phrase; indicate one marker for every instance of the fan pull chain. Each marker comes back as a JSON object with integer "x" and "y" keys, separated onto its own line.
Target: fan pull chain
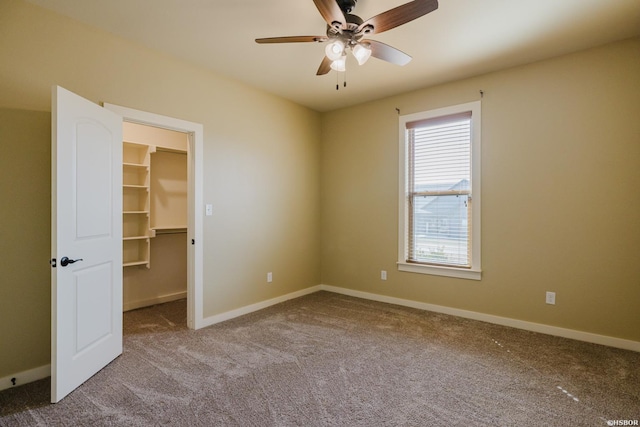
{"x": 344, "y": 81}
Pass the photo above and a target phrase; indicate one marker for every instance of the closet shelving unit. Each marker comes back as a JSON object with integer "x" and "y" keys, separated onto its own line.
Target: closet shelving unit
{"x": 136, "y": 229}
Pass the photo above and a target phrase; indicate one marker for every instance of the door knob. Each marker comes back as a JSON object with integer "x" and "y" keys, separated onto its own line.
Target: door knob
{"x": 64, "y": 261}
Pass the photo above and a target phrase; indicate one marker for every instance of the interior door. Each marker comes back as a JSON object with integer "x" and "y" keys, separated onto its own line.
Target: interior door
{"x": 86, "y": 278}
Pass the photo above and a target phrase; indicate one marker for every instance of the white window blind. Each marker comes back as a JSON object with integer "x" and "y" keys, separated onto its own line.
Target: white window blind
{"x": 439, "y": 191}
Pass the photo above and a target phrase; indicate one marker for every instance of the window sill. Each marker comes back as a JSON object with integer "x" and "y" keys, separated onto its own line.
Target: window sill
{"x": 461, "y": 273}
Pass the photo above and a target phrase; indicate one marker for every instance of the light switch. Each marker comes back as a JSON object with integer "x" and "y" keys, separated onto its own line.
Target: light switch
{"x": 209, "y": 210}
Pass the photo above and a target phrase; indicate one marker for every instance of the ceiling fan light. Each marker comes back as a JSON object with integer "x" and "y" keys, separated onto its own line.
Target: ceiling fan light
{"x": 361, "y": 53}
{"x": 339, "y": 64}
{"x": 334, "y": 50}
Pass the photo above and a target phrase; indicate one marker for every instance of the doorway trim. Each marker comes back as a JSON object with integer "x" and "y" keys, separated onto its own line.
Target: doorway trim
{"x": 195, "y": 257}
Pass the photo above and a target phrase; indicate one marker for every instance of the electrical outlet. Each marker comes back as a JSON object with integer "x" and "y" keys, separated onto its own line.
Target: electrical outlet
{"x": 383, "y": 274}
{"x": 208, "y": 211}
{"x": 551, "y": 298}
{"x": 269, "y": 277}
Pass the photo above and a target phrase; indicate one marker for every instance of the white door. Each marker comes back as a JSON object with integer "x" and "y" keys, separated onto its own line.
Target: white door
{"x": 86, "y": 240}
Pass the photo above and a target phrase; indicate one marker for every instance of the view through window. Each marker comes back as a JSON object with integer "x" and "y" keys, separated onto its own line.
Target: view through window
{"x": 439, "y": 195}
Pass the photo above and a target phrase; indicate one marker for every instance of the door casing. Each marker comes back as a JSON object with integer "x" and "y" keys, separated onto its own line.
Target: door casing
{"x": 195, "y": 263}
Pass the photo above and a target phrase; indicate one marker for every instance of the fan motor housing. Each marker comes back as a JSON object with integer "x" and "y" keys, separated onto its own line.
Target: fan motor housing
{"x": 353, "y": 22}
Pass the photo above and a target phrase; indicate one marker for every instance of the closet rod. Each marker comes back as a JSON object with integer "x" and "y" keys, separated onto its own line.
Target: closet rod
{"x": 159, "y": 232}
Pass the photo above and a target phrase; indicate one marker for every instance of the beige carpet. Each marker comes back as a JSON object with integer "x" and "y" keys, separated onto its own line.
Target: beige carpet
{"x": 332, "y": 360}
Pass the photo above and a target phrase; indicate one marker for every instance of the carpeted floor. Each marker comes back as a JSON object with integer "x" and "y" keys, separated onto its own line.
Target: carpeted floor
{"x": 331, "y": 360}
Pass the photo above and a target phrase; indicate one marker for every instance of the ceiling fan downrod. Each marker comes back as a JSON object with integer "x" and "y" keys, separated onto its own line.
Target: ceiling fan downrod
{"x": 347, "y": 5}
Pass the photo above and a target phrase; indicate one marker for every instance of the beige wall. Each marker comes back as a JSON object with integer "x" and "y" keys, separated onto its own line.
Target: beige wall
{"x": 166, "y": 280}
{"x": 560, "y": 176}
{"x": 150, "y": 135}
{"x": 25, "y": 235}
{"x": 262, "y": 178}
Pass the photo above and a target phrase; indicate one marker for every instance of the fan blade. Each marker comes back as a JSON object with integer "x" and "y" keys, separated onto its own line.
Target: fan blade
{"x": 387, "y": 53}
{"x": 331, "y": 12}
{"x": 325, "y": 67}
{"x": 397, "y": 16}
{"x": 292, "y": 39}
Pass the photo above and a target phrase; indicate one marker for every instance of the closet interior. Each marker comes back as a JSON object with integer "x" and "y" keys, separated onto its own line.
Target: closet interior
{"x": 154, "y": 217}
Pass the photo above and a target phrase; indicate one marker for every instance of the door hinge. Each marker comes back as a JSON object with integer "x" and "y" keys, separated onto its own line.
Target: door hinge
{"x": 52, "y": 261}
{"x": 193, "y": 241}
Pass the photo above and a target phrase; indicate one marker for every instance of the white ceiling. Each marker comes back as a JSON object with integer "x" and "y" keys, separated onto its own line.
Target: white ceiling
{"x": 463, "y": 38}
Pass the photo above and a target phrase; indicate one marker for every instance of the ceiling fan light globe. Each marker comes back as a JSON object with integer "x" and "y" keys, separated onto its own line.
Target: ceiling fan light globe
{"x": 339, "y": 64}
{"x": 361, "y": 53}
{"x": 334, "y": 50}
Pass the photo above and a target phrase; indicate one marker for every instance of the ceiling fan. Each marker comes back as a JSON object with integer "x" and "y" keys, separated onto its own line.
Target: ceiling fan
{"x": 346, "y": 31}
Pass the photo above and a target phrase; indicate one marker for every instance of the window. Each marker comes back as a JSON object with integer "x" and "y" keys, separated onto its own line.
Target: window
{"x": 439, "y": 230}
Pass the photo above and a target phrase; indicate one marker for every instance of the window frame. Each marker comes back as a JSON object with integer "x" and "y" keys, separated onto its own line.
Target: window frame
{"x": 475, "y": 271}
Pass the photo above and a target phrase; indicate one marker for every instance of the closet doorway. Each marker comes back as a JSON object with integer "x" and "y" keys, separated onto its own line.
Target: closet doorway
{"x": 162, "y": 211}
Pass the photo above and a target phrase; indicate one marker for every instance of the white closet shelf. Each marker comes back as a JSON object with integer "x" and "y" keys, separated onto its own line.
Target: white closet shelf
{"x": 136, "y": 167}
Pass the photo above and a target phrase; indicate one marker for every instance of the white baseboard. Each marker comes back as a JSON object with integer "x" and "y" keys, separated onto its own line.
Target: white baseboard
{"x": 504, "y": 321}
{"x": 212, "y": 320}
{"x": 132, "y": 305}
{"x": 25, "y": 377}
